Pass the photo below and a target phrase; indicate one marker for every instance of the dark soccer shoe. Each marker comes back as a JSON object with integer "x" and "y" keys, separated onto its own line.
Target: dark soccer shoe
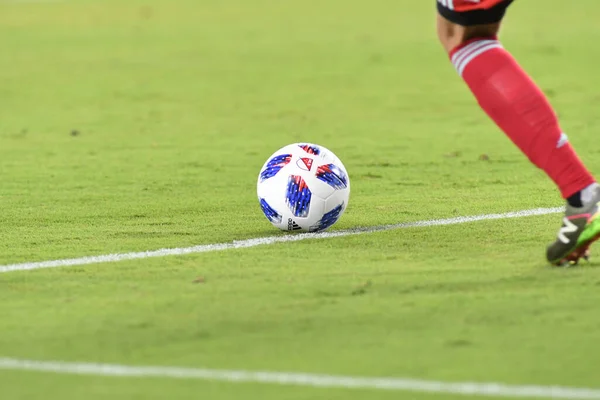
{"x": 581, "y": 227}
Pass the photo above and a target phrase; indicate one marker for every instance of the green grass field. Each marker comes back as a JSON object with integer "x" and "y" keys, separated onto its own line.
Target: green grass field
{"x": 139, "y": 125}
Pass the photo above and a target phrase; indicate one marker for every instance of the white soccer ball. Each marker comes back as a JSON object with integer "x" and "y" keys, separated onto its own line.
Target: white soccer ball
{"x": 303, "y": 187}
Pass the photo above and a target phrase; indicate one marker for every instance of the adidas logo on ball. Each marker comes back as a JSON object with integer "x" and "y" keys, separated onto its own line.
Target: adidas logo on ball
{"x": 292, "y": 225}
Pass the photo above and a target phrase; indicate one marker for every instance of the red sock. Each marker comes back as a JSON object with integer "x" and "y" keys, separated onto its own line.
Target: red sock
{"x": 515, "y": 103}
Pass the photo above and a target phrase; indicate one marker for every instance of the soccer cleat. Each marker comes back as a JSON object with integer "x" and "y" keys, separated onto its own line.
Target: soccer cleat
{"x": 581, "y": 227}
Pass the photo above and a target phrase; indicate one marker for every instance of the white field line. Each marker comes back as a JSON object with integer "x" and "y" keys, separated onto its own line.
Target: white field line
{"x": 269, "y": 240}
{"x": 301, "y": 379}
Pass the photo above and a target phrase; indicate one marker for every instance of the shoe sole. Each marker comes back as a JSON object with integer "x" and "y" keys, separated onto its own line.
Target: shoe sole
{"x": 582, "y": 250}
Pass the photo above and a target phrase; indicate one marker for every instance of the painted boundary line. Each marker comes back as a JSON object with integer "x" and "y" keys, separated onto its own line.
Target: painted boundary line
{"x": 299, "y": 379}
{"x": 270, "y": 240}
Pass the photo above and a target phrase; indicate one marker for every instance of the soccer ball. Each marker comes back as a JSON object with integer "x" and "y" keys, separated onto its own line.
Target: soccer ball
{"x": 303, "y": 187}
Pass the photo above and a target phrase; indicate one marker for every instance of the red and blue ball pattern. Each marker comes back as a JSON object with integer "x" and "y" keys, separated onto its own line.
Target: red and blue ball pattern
{"x": 298, "y": 196}
{"x": 310, "y": 149}
{"x": 328, "y": 219}
{"x": 333, "y": 176}
{"x": 275, "y": 165}
{"x": 271, "y": 214}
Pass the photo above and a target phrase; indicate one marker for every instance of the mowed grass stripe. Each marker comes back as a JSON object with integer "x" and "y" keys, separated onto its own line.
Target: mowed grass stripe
{"x": 269, "y": 240}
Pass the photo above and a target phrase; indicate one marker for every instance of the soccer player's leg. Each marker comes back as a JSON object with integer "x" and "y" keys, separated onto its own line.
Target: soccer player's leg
{"x": 468, "y": 31}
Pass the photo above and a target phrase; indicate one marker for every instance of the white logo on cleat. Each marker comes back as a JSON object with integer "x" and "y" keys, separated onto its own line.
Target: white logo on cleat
{"x": 568, "y": 228}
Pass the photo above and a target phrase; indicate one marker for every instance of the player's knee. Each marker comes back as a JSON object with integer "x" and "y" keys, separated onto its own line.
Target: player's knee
{"x": 452, "y": 35}
{"x": 448, "y": 33}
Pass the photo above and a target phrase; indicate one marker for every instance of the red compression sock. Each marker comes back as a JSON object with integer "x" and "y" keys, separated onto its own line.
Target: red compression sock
{"x": 516, "y": 104}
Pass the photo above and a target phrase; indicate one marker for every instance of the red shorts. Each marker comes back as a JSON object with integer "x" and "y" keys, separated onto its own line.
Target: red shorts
{"x": 473, "y": 12}
{"x": 469, "y": 5}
